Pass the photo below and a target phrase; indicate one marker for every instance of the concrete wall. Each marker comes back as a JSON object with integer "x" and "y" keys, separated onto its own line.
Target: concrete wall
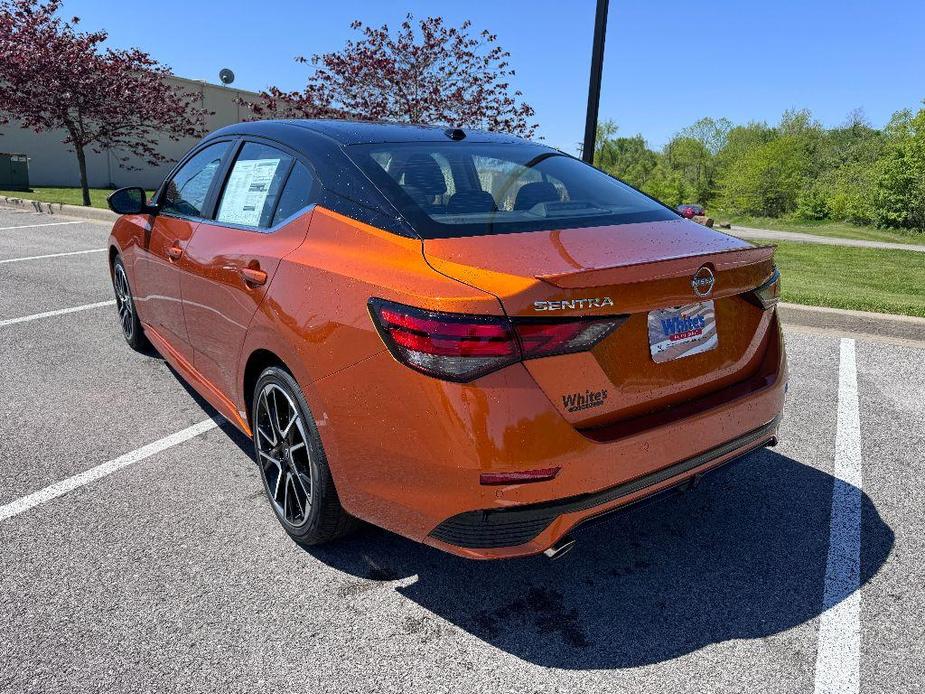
{"x": 52, "y": 163}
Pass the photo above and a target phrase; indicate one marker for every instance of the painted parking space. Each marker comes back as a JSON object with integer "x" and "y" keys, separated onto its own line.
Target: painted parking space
{"x": 76, "y": 396}
{"x": 47, "y": 256}
{"x": 50, "y": 284}
{"x": 892, "y": 418}
{"x": 24, "y": 234}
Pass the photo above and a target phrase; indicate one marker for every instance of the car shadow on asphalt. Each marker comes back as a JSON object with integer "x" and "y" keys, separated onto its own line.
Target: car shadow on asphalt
{"x": 237, "y": 437}
{"x": 742, "y": 556}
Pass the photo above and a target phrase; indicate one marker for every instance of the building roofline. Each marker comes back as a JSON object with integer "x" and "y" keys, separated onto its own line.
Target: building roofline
{"x": 206, "y": 83}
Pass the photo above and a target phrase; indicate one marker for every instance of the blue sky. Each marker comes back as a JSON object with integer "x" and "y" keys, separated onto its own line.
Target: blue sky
{"x": 667, "y": 63}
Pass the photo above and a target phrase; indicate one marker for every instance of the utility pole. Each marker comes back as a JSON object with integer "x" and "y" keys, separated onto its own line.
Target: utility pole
{"x": 594, "y": 86}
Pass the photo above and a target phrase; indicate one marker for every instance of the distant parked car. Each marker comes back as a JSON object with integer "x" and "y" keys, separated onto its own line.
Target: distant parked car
{"x": 689, "y": 211}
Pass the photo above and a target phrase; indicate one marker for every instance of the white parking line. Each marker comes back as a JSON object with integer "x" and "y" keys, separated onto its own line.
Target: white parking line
{"x": 48, "y": 224}
{"x": 100, "y": 471}
{"x": 838, "y": 656}
{"x": 51, "y": 255}
{"x": 50, "y": 314}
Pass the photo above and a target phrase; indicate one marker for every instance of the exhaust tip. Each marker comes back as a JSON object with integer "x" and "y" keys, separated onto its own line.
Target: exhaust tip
{"x": 561, "y": 548}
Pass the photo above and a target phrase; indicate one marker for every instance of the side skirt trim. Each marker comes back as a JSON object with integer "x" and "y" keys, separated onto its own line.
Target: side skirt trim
{"x": 200, "y": 383}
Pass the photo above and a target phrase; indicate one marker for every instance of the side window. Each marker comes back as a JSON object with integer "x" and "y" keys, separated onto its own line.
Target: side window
{"x": 186, "y": 191}
{"x": 297, "y": 193}
{"x": 253, "y": 186}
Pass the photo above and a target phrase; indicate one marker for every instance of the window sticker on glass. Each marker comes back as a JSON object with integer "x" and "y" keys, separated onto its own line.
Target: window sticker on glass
{"x": 247, "y": 190}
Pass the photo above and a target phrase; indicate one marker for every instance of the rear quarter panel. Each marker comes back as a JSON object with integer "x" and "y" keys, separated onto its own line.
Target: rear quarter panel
{"x": 315, "y": 315}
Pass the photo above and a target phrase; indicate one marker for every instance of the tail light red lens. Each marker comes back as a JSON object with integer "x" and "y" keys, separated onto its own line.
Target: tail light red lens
{"x": 462, "y": 347}
{"x": 768, "y": 294}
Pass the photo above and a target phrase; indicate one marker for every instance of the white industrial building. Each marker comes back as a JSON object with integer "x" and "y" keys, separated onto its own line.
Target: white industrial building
{"x": 52, "y": 163}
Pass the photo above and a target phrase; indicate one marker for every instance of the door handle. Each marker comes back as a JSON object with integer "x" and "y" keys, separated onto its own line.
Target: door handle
{"x": 174, "y": 252}
{"x": 253, "y": 276}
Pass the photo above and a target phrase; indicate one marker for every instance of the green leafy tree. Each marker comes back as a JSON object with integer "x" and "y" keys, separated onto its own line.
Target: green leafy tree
{"x": 692, "y": 162}
{"x": 845, "y": 187}
{"x": 668, "y": 185}
{"x": 688, "y": 173}
{"x": 740, "y": 140}
{"x": 627, "y": 158}
{"x": 852, "y": 172}
{"x": 769, "y": 169}
{"x": 712, "y": 134}
{"x": 606, "y": 133}
{"x": 767, "y": 180}
{"x": 900, "y": 184}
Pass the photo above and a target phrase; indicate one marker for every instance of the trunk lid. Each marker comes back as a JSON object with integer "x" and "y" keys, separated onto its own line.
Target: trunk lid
{"x": 630, "y": 269}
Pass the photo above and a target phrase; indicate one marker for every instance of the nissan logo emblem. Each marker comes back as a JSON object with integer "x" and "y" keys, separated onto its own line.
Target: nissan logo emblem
{"x": 703, "y": 281}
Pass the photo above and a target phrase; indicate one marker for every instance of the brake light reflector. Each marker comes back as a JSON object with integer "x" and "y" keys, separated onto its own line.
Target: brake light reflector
{"x": 548, "y": 338}
{"x": 462, "y": 347}
{"x": 543, "y": 475}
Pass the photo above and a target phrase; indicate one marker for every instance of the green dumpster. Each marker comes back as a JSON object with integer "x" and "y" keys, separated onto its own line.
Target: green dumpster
{"x": 14, "y": 171}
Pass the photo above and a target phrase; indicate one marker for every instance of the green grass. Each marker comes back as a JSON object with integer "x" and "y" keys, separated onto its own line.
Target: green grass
{"x": 844, "y": 230}
{"x": 862, "y": 279}
{"x": 68, "y": 196}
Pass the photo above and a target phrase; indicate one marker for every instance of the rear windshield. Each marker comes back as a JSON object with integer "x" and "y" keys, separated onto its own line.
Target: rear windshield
{"x": 468, "y": 189}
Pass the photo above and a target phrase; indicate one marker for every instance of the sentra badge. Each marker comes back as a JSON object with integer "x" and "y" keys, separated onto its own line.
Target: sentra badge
{"x": 590, "y": 302}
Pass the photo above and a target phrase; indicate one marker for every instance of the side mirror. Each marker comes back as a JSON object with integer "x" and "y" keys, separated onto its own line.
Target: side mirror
{"x": 129, "y": 201}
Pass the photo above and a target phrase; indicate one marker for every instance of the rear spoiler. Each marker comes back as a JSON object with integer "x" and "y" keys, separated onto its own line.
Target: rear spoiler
{"x": 681, "y": 266}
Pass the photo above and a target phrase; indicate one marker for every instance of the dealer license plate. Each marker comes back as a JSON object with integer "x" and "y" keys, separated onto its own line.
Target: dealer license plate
{"x": 682, "y": 331}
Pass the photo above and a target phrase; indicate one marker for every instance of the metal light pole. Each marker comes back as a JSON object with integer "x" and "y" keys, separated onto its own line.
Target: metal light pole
{"x": 594, "y": 86}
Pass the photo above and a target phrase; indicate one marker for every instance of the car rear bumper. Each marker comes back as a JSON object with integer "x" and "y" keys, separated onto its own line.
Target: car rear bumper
{"x": 406, "y": 451}
{"x": 521, "y": 527}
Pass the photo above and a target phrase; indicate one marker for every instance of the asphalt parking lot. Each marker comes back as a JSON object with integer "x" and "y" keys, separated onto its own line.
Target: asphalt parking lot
{"x": 798, "y": 569}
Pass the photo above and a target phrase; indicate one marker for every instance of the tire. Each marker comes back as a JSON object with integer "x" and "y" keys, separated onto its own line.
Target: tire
{"x": 132, "y": 331}
{"x": 295, "y": 472}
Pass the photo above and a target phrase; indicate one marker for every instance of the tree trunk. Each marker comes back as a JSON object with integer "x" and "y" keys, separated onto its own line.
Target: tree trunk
{"x": 82, "y": 163}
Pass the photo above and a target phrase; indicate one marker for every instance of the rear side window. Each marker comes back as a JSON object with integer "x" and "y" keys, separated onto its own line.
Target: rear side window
{"x": 253, "y": 186}
{"x": 186, "y": 192}
{"x": 297, "y": 193}
{"x": 467, "y": 189}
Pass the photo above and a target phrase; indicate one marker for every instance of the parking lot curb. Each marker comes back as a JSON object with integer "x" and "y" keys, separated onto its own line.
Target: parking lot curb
{"x": 854, "y": 322}
{"x": 55, "y": 208}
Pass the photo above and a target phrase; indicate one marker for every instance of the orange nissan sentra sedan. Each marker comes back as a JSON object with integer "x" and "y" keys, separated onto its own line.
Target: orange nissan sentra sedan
{"x": 469, "y": 339}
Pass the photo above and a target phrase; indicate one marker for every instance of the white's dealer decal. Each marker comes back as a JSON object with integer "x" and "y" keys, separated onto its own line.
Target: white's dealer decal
{"x": 575, "y": 402}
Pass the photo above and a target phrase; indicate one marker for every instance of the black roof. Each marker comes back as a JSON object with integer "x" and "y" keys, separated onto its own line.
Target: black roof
{"x": 346, "y": 132}
{"x": 345, "y": 188}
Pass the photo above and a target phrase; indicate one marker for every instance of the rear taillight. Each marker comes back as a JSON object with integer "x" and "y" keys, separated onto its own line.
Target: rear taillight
{"x": 462, "y": 347}
{"x": 768, "y": 294}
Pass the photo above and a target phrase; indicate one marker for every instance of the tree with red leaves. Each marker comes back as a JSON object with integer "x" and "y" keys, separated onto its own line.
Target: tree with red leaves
{"x": 54, "y": 77}
{"x": 428, "y": 73}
